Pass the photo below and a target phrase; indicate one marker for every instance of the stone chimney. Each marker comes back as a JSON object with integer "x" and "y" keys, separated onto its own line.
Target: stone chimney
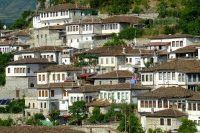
{"x": 124, "y": 50}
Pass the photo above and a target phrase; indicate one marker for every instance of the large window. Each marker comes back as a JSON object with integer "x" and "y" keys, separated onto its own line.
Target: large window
{"x": 189, "y": 78}
{"x": 162, "y": 121}
{"x": 173, "y": 43}
{"x": 179, "y": 77}
{"x": 159, "y": 103}
{"x": 189, "y": 106}
{"x": 173, "y": 76}
{"x": 169, "y": 75}
{"x": 143, "y": 77}
{"x": 151, "y": 77}
{"x": 164, "y": 76}
{"x": 142, "y": 104}
{"x": 52, "y": 93}
{"x": 194, "y": 78}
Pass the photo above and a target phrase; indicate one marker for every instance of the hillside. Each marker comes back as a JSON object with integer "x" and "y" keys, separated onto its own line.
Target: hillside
{"x": 12, "y": 9}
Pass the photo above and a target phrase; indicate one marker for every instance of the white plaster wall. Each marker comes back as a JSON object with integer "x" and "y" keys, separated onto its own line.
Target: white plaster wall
{"x": 110, "y": 64}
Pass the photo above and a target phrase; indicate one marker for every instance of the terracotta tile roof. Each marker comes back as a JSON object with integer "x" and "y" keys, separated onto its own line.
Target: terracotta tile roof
{"x": 58, "y": 85}
{"x": 98, "y": 103}
{"x": 86, "y": 21}
{"x": 117, "y": 50}
{"x": 13, "y": 43}
{"x": 41, "y": 49}
{"x": 187, "y": 49}
{"x": 55, "y": 27}
{"x": 168, "y": 92}
{"x": 16, "y": 34}
{"x": 59, "y": 68}
{"x": 115, "y": 74}
{"x": 85, "y": 89}
{"x": 182, "y": 65}
{"x": 195, "y": 97}
{"x": 172, "y": 36}
{"x": 123, "y": 86}
{"x": 157, "y": 43}
{"x": 171, "y": 112}
{"x": 31, "y": 61}
{"x": 122, "y": 19}
{"x": 62, "y": 7}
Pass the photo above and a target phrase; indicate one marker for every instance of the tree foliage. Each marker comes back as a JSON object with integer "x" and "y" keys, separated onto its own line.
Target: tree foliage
{"x": 7, "y": 122}
{"x": 157, "y": 130}
{"x": 35, "y": 120}
{"x": 54, "y": 115}
{"x": 187, "y": 126}
{"x": 96, "y": 115}
{"x": 78, "y": 109}
{"x": 130, "y": 33}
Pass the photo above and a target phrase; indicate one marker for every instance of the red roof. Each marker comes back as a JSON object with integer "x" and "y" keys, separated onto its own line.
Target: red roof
{"x": 84, "y": 75}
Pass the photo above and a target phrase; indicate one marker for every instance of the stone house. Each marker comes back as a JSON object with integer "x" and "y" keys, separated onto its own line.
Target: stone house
{"x": 167, "y": 119}
{"x": 176, "y": 72}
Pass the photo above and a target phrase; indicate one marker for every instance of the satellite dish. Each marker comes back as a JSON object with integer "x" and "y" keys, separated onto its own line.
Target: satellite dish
{"x": 4, "y": 27}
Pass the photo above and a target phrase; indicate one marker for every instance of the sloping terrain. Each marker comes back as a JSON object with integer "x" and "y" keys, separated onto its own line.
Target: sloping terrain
{"x": 12, "y": 9}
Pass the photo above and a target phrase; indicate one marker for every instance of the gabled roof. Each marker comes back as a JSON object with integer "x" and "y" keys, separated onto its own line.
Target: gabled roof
{"x": 182, "y": 65}
{"x": 58, "y": 85}
{"x": 67, "y": 6}
{"x": 168, "y": 92}
{"x": 114, "y": 74}
{"x": 59, "y": 68}
{"x": 171, "y": 112}
{"x": 195, "y": 97}
{"x": 97, "y": 103}
{"x": 172, "y": 36}
{"x": 118, "y": 50}
{"x": 31, "y": 61}
{"x": 122, "y": 19}
{"x": 85, "y": 89}
{"x": 16, "y": 34}
{"x": 187, "y": 49}
{"x": 41, "y": 49}
{"x": 123, "y": 86}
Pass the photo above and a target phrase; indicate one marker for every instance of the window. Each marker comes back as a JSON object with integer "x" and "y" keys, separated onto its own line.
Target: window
{"x": 112, "y": 60}
{"x": 194, "y": 78}
{"x": 127, "y": 95}
{"x": 41, "y": 105}
{"x": 141, "y": 104}
{"x": 189, "y": 78}
{"x": 105, "y": 95}
{"x": 130, "y": 60}
{"x": 198, "y": 106}
{"x": 146, "y": 104}
{"x": 118, "y": 95}
{"x": 165, "y": 103}
{"x": 39, "y": 93}
{"x": 147, "y": 77}
{"x": 168, "y": 122}
{"x": 101, "y": 60}
{"x": 169, "y": 76}
{"x": 183, "y": 77}
{"x": 99, "y": 82}
{"x": 28, "y": 70}
{"x": 107, "y": 61}
{"x": 64, "y": 93}
{"x": 177, "y": 43}
{"x": 58, "y": 76}
{"x": 52, "y": 93}
{"x": 164, "y": 76}
{"x": 53, "y": 76}
{"x": 17, "y": 93}
{"x": 161, "y": 121}
{"x": 45, "y": 105}
{"x": 181, "y": 43}
{"x": 151, "y": 77}
{"x": 154, "y": 104}
{"x": 150, "y": 104}
{"x": 46, "y": 93}
{"x": 179, "y": 77}
{"x": 143, "y": 77}
{"x": 42, "y": 93}
{"x": 173, "y": 76}
{"x": 189, "y": 106}
{"x": 43, "y": 77}
{"x": 173, "y": 43}
{"x": 160, "y": 75}
{"x": 159, "y": 103}
{"x": 126, "y": 60}
{"x": 8, "y": 70}
{"x": 33, "y": 105}
{"x": 63, "y": 76}
{"x": 194, "y": 106}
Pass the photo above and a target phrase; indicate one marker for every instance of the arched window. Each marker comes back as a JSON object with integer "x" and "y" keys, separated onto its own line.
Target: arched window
{"x": 29, "y": 105}
{"x": 45, "y": 105}
{"x": 41, "y": 105}
{"x": 33, "y": 105}
{"x": 77, "y": 98}
{"x": 31, "y": 85}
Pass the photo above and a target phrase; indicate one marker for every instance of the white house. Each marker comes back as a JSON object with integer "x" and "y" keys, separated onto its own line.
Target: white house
{"x": 60, "y": 14}
{"x": 175, "y": 72}
{"x": 170, "y": 43}
{"x": 9, "y": 46}
{"x": 122, "y": 92}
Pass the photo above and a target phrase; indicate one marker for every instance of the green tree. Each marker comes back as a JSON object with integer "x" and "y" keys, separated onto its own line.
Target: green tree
{"x": 157, "y": 130}
{"x": 187, "y": 126}
{"x": 7, "y": 122}
{"x": 115, "y": 40}
{"x": 19, "y": 23}
{"x": 96, "y": 115}
{"x": 54, "y": 115}
{"x": 35, "y": 120}
{"x": 130, "y": 33}
{"x": 169, "y": 30}
{"x": 78, "y": 109}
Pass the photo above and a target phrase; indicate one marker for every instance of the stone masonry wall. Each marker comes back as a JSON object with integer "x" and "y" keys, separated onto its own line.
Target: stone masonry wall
{"x": 22, "y": 84}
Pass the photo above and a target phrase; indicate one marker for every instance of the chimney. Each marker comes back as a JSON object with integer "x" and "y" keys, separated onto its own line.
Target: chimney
{"x": 124, "y": 50}
{"x": 152, "y": 110}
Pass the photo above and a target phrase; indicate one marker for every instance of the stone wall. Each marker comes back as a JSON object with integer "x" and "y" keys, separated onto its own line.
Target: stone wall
{"x": 13, "y": 84}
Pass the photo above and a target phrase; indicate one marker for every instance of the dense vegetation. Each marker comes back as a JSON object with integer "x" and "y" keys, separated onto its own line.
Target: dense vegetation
{"x": 4, "y": 59}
